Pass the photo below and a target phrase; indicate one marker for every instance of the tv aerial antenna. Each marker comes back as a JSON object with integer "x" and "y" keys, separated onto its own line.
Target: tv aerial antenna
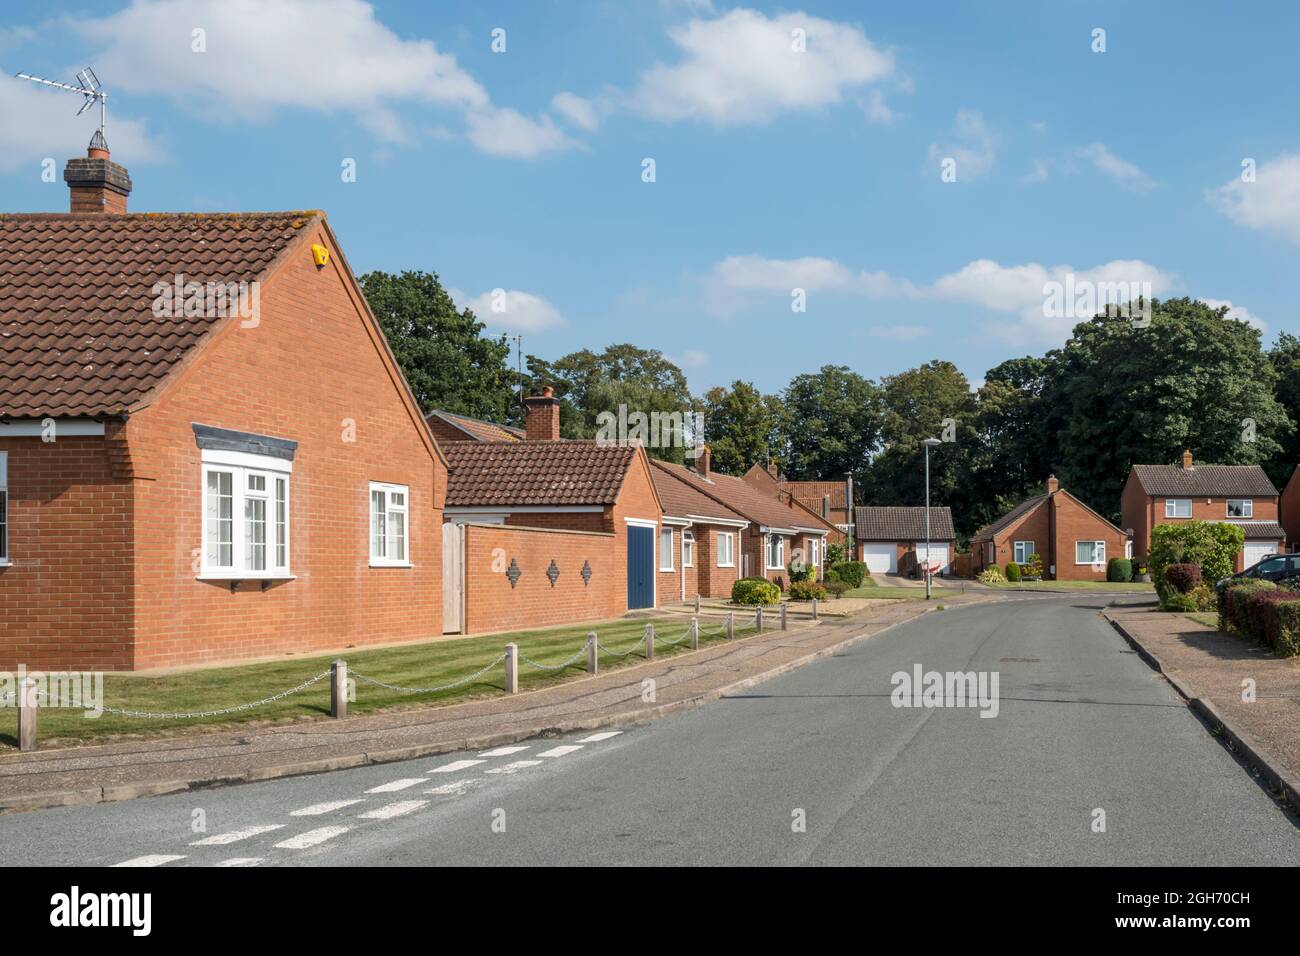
{"x": 88, "y": 86}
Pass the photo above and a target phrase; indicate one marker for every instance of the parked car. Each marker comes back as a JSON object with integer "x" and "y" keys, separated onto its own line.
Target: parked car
{"x": 1272, "y": 567}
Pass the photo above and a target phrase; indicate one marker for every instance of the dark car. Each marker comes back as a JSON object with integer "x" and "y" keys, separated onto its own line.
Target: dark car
{"x": 1274, "y": 567}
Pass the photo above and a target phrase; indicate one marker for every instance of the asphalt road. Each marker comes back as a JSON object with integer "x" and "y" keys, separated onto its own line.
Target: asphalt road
{"x": 1082, "y": 726}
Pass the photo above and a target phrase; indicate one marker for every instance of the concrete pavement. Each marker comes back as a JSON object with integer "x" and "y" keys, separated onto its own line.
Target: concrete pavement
{"x": 1083, "y": 726}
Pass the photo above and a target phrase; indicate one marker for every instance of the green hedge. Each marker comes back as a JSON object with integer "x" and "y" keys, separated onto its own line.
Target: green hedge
{"x": 755, "y": 591}
{"x": 806, "y": 591}
{"x": 1013, "y": 571}
{"x": 852, "y": 573}
{"x": 1119, "y": 570}
{"x": 1212, "y": 546}
{"x": 1261, "y": 611}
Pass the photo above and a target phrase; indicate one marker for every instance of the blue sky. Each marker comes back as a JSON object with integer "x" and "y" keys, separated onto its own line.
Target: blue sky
{"x": 776, "y": 168}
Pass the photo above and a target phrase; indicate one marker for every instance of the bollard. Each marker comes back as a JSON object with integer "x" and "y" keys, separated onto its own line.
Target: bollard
{"x": 649, "y": 642}
{"x": 731, "y": 625}
{"x": 697, "y": 603}
{"x": 758, "y": 620}
{"x": 27, "y": 714}
{"x": 695, "y": 633}
{"x": 339, "y": 689}
{"x": 783, "y": 607}
{"x": 593, "y": 653}
{"x": 512, "y": 669}
{"x": 814, "y": 609}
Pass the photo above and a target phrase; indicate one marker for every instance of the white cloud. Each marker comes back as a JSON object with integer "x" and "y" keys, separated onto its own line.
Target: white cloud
{"x": 576, "y": 109}
{"x": 41, "y": 123}
{"x": 1120, "y": 170}
{"x": 733, "y": 284}
{"x": 1238, "y": 312}
{"x": 973, "y": 146}
{"x": 511, "y": 310}
{"x": 690, "y": 359}
{"x": 507, "y": 132}
{"x": 742, "y": 68}
{"x": 878, "y": 111}
{"x": 1271, "y": 203}
{"x": 1039, "y": 174}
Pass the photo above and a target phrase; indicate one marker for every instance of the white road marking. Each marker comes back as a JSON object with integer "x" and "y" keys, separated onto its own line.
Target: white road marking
{"x": 560, "y": 751}
{"x": 240, "y": 861}
{"x": 316, "y": 809}
{"x": 311, "y": 838}
{"x": 234, "y": 836}
{"x": 503, "y": 751}
{"x": 456, "y": 765}
{"x": 456, "y": 788}
{"x": 513, "y": 767}
{"x": 401, "y": 808}
{"x": 396, "y": 785}
{"x": 155, "y": 859}
{"x": 597, "y": 738}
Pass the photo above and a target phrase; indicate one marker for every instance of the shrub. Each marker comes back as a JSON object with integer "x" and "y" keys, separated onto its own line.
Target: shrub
{"x": 1178, "y": 601}
{"x": 799, "y": 572}
{"x": 836, "y": 588}
{"x": 1210, "y": 545}
{"x": 1033, "y": 568}
{"x": 834, "y": 554}
{"x": 832, "y": 574}
{"x": 1182, "y": 577}
{"x": 1119, "y": 570}
{"x": 1013, "y": 571}
{"x": 1232, "y": 601}
{"x": 806, "y": 591}
{"x": 851, "y": 573}
{"x": 1203, "y": 597}
{"x": 992, "y": 575}
{"x": 755, "y": 591}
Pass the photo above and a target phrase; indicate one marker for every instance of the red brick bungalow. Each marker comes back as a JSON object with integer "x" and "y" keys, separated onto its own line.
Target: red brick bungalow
{"x": 830, "y": 500}
{"x": 699, "y": 538}
{"x": 892, "y": 538}
{"x": 1241, "y": 495}
{"x": 1073, "y": 541}
{"x": 224, "y": 473}
{"x": 548, "y": 531}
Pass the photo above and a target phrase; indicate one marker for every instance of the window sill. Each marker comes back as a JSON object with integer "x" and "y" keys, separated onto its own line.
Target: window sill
{"x": 222, "y": 576}
{"x": 391, "y": 564}
{"x": 726, "y": 565}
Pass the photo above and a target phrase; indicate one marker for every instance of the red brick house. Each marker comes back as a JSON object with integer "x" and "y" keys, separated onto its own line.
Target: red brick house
{"x": 1289, "y": 511}
{"x": 1235, "y": 494}
{"x": 548, "y": 531}
{"x": 699, "y": 540}
{"x": 1073, "y": 541}
{"x": 829, "y": 500}
{"x": 448, "y": 426}
{"x": 891, "y": 538}
{"x": 208, "y": 451}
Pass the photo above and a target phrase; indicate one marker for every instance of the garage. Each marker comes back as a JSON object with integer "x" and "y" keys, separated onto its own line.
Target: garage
{"x": 1254, "y": 552}
{"x": 881, "y": 558}
{"x": 938, "y": 553}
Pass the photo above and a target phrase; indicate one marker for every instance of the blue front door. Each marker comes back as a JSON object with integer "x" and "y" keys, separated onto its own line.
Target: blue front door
{"x": 640, "y": 567}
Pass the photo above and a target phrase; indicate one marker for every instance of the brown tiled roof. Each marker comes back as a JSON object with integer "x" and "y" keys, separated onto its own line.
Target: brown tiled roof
{"x": 679, "y": 497}
{"x": 811, "y": 493}
{"x": 477, "y": 429}
{"x": 751, "y": 504}
{"x": 897, "y": 523}
{"x": 1213, "y": 481}
{"x": 994, "y": 527}
{"x": 77, "y": 331}
{"x": 526, "y": 473}
{"x": 1260, "y": 530}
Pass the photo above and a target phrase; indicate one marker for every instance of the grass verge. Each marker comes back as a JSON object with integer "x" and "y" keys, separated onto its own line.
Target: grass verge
{"x": 1073, "y": 586}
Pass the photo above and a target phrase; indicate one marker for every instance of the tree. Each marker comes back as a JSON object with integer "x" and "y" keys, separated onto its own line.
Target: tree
{"x": 831, "y": 425}
{"x": 1285, "y": 359}
{"x": 740, "y": 425}
{"x": 442, "y": 352}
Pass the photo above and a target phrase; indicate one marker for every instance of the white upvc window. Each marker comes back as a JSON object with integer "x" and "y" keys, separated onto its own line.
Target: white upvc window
{"x": 665, "y": 549}
{"x": 814, "y": 545}
{"x": 1128, "y": 549}
{"x": 389, "y": 511}
{"x": 1090, "y": 552}
{"x": 688, "y": 549}
{"x": 991, "y": 552}
{"x": 1241, "y": 508}
{"x": 1178, "y": 507}
{"x": 245, "y": 521}
{"x": 4, "y": 507}
{"x": 726, "y": 549}
{"x": 775, "y": 552}
{"x": 1021, "y": 551}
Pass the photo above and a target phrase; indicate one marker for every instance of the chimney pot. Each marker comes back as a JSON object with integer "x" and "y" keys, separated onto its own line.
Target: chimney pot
{"x": 542, "y": 416}
{"x": 1187, "y": 459}
{"x": 1052, "y": 485}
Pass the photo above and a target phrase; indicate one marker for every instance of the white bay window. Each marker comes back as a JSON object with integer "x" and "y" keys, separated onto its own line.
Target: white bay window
{"x": 245, "y": 517}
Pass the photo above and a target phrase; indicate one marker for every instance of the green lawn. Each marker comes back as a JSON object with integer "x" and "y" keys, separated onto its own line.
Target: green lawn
{"x": 1074, "y": 586}
{"x": 1208, "y": 618}
{"x": 875, "y": 592}
{"x": 424, "y": 665}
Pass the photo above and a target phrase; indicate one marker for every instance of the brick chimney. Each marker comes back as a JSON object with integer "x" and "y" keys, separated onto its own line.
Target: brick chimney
{"x": 542, "y": 416}
{"x": 1187, "y": 460}
{"x": 826, "y": 507}
{"x": 703, "y": 462}
{"x": 1052, "y": 485}
{"x": 97, "y": 183}
{"x": 771, "y": 467}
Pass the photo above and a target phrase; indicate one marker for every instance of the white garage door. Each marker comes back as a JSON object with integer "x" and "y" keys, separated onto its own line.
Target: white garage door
{"x": 1254, "y": 551}
{"x": 880, "y": 558}
{"x": 938, "y": 552}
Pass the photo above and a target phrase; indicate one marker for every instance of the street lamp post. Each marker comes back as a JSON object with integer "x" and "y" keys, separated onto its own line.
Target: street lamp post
{"x": 928, "y": 443}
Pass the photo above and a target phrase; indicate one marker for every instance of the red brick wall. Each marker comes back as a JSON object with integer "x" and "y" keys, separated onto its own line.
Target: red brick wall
{"x": 491, "y": 604}
{"x": 1289, "y": 510}
{"x": 1135, "y": 515}
{"x": 755, "y": 547}
{"x": 636, "y": 499}
{"x": 310, "y": 369}
{"x": 65, "y": 599}
{"x": 714, "y": 581}
{"x": 1076, "y": 523}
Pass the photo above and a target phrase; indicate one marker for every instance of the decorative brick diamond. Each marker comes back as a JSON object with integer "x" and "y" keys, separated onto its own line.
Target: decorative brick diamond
{"x": 513, "y": 572}
{"x": 553, "y": 572}
{"x": 586, "y": 572}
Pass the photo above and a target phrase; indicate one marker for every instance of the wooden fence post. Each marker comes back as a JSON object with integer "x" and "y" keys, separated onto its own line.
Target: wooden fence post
{"x": 814, "y": 609}
{"x": 339, "y": 689}
{"x": 758, "y": 620}
{"x": 593, "y": 653}
{"x": 731, "y": 625}
{"x": 697, "y": 602}
{"x": 512, "y": 669}
{"x": 783, "y": 609}
{"x": 27, "y": 703}
{"x": 649, "y": 642}
{"x": 695, "y": 633}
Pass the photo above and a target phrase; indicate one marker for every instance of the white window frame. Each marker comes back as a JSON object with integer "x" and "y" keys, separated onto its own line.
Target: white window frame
{"x": 992, "y": 552}
{"x": 387, "y": 490}
{"x": 688, "y": 548}
{"x": 1098, "y": 553}
{"x": 780, "y": 552}
{"x": 730, "y": 538}
{"x": 1247, "y": 511}
{"x": 4, "y": 509}
{"x": 1019, "y": 548}
{"x": 243, "y": 469}
{"x": 1171, "y": 507}
{"x": 1128, "y": 549}
{"x": 813, "y": 552}
{"x": 666, "y": 549}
